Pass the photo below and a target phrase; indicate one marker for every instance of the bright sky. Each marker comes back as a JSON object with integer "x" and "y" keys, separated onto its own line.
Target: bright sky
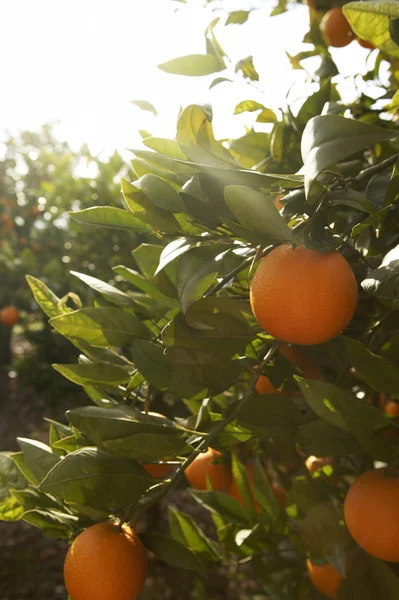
{"x": 82, "y": 61}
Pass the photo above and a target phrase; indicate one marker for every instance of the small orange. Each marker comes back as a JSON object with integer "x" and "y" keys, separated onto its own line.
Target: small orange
{"x": 203, "y": 467}
{"x": 303, "y": 296}
{"x": 277, "y": 201}
{"x": 309, "y": 368}
{"x": 365, "y": 44}
{"x": 9, "y": 316}
{"x": 264, "y": 386}
{"x": 325, "y": 578}
{"x": 157, "y": 470}
{"x": 105, "y": 563}
{"x": 391, "y": 409}
{"x": 234, "y": 492}
{"x": 371, "y": 511}
{"x": 336, "y": 29}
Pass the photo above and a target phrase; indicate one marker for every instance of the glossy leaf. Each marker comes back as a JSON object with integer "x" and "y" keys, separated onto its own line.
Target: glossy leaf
{"x": 377, "y": 371}
{"x": 109, "y": 216}
{"x": 46, "y": 299}
{"x": 38, "y": 457}
{"x": 371, "y": 21}
{"x": 88, "y": 374}
{"x": 173, "y": 553}
{"x": 161, "y": 194}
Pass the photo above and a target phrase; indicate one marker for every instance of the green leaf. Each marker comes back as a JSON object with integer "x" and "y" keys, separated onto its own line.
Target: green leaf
{"x": 246, "y": 66}
{"x": 110, "y": 292}
{"x": 320, "y": 438}
{"x": 148, "y": 447}
{"x": 223, "y": 505}
{"x": 109, "y": 216}
{"x": 185, "y": 531}
{"x": 344, "y": 410}
{"x": 53, "y": 523}
{"x": 151, "y": 360}
{"x": 263, "y": 491}
{"x": 383, "y": 283}
{"x": 94, "y": 478}
{"x": 277, "y": 411}
{"x": 369, "y": 578}
{"x": 164, "y": 146}
{"x": 314, "y": 104}
{"x": 219, "y": 80}
{"x": 173, "y": 553}
{"x": 102, "y": 424}
{"x": 10, "y": 475}
{"x": 141, "y": 207}
{"x": 30, "y": 498}
{"x": 241, "y": 480}
{"x": 88, "y": 374}
{"x": 237, "y": 17}
{"x": 378, "y": 372}
{"x": 197, "y": 269}
{"x": 161, "y": 194}
{"x": 172, "y": 251}
{"x": 46, "y": 299}
{"x": 10, "y": 510}
{"x": 147, "y": 258}
{"x": 102, "y": 327}
{"x": 352, "y": 199}
{"x": 257, "y": 212}
{"x": 193, "y": 65}
{"x": 373, "y": 221}
{"x": 371, "y": 21}
{"x": 248, "y": 106}
{"x": 267, "y": 115}
{"x": 18, "y": 459}
{"x": 329, "y": 139}
{"x": 145, "y": 105}
{"x": 38, "y": 457}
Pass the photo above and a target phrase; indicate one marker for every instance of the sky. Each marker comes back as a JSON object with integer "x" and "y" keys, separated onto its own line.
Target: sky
{"x": 81, "y": 62}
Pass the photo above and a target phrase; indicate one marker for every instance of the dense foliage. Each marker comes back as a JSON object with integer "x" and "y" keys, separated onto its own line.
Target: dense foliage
{"x": 182, "y": 331}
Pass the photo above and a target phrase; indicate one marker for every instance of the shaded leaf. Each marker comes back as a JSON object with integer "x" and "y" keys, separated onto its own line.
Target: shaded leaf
{"x": 173, "y": 553}
{"x": 109, "y": 216}
{"x": 87, "y": 374}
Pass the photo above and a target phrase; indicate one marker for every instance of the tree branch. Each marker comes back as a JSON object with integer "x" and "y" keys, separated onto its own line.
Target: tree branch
{"x": 207, "y": 441}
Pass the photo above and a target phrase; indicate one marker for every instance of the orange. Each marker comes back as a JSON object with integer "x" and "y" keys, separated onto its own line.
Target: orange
{"x": 234, "y": 492}
{"x": 9, "y": 316}
{"x": 277, "y": 201}
{"x": 203, "y": 467}
{"x": 325, "y": 578}
{"x": 371, "y": 512}
{"x": 157, "y": 470}
{"x": 105, "y": 563}
{"x": 365, "y": 44}
{"x": 303, "y": 296}
{"x": 264, "y": 386}
{"x": 309, "y": 368}
{"x": 391, "y": 409}
{"x": 336, "y": 29}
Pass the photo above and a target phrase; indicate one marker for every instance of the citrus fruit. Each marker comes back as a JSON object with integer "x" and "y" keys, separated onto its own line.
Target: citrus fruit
{"x": 325, "y": 578}
{"x": 234, "y": 492}
{"x": 204, "y": 467}
{"x": 307, "y": 366}
{"x": 264, "y": 386}
{"x": 9, "y": 316}
{"x": 157, "y": 470}
{"x": 371, "y": 512}
{"x": 365, "y": 44}
{"x": 105, "y": 563}
{"x": 336, "y": 29}
{"x": 303, "y": 296}
{"x": 391, "y": 409}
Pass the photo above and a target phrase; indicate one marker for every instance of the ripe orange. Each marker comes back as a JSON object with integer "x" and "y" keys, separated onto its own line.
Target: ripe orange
{"x": 391, "y": 409}
{"x": 336, "y": 29}
{"x": 325, "y": 578}
{"x": 9, "y": 315}
{"x": 234, "y": 492}
{"x": 105, "y": 563}
{"x": 204, "y": 467}
{"x": 309, "y": 368}
{"x": 371, "y": 512}
{"x": 157, "y": 470}
{"x": 365, "y": 44}
{"x": 277, "y": 201}
{"x": 303, "y": 296}
{"x": 264, "y": 386}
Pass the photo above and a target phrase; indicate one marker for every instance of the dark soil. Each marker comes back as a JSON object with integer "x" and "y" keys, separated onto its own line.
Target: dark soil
{"x": 31, "y": 564}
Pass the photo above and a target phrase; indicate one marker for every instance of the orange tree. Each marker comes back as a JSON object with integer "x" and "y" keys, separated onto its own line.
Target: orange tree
{"x": 184, "y": 326}
{"x": 41, "y": 179}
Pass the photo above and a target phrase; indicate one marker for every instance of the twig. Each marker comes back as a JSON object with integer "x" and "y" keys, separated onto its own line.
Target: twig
{"x": 229, "y": 276}
{"x": 206, "y": 442}
{"x": 366, "y": 173}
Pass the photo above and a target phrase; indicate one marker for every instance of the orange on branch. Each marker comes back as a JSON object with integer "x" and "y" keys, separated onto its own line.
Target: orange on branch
{"x": 336, "y": 29}
{"x": 325, "y": 578}
{"x": 371, "y": 511}
{"x": 391, "y": 409}
{"x": 303, "y": 296}
{"x": 365, "y": 44}
{"x": 9, "y": 315}
{"x": 105, "y": 563}
{"x": 204, "y": 467}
